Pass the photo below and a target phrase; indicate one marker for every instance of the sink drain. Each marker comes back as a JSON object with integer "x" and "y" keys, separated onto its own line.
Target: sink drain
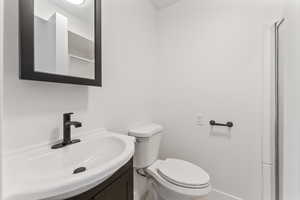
{"x": 79, "y": 170}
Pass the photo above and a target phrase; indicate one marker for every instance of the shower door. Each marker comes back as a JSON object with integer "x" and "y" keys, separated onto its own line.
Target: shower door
{"x": 287, "y": 116}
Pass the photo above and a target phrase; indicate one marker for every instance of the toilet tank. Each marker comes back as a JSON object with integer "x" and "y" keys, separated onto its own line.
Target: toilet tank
{"x": 147, "y": 144}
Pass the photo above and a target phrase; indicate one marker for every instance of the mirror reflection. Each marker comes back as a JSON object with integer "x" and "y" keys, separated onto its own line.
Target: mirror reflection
{"x": 64, "y": 37}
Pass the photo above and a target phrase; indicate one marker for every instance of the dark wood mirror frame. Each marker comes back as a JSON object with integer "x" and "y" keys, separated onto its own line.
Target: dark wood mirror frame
{"x": 26, "y": 49}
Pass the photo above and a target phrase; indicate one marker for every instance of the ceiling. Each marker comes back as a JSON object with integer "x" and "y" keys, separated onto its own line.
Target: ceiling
{"x": 82, "y": 11}
{"x": 163, "y": 3}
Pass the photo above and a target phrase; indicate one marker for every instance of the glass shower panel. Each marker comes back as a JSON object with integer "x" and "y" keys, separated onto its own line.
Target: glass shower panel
{"x": 289, "y": 102}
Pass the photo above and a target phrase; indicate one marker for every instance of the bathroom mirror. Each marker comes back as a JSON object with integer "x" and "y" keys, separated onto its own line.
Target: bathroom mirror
{"x": 60, "y": 41}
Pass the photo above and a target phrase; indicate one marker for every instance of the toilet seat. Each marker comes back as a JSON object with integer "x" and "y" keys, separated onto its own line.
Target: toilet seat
{"x": 183, "y": 174}
{"x": 175, "y": 186}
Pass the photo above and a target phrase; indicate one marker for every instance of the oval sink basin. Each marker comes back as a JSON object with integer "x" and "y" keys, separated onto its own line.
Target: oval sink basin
{"x": 44, "y": 173}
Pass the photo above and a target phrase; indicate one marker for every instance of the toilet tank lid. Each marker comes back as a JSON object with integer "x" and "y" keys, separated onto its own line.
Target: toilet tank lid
{"x": 146, "y": 130}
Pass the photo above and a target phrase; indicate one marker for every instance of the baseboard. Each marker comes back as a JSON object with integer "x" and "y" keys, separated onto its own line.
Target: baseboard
{"x": 219, "y": 195}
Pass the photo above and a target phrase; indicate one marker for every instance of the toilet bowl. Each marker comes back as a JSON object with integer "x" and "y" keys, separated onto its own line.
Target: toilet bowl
{"x": 179, "y": 180}
{"x": 173, "y": 179}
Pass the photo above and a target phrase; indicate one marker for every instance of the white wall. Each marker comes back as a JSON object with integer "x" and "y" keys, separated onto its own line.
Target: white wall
{"x": 159, "y": 4}
{"x": 1, "y": 89}
{"x": 33, "y": 110}
{"x": 212, "y": 64}
{"x": 289, "y": 64}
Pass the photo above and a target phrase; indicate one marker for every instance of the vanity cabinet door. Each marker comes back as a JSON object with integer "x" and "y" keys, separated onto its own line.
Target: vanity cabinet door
{"x": 118, "y": 187}
{"x": 121, "y": 189}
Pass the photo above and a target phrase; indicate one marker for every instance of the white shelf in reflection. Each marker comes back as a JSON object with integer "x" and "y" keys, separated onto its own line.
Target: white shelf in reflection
{"x": 81, "y": 58}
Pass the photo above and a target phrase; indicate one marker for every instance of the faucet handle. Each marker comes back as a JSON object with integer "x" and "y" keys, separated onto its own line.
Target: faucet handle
{"x": 68, "y": 114}
{"x": 71, "y": 113}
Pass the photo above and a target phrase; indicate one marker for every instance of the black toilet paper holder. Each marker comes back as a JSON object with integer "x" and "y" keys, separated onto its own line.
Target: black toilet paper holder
{"x": 214, "y": 123}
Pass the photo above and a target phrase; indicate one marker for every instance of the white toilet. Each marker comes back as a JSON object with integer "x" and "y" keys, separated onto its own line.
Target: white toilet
{"x": 173, "y": 179}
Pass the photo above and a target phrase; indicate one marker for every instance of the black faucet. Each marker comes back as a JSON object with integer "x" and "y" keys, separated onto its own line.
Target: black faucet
{"x": 67, "y": 132}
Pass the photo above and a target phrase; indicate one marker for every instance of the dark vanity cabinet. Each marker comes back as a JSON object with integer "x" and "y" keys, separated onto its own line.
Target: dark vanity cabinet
{"x": 118, "y": 187}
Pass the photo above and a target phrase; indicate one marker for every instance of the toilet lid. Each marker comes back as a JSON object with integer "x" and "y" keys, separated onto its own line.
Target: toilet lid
{"x": 183, "y": 173}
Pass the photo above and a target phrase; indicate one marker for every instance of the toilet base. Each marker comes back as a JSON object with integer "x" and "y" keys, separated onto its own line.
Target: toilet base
{"x": 164, "y": 193}
{"x": 199, "y": 198}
